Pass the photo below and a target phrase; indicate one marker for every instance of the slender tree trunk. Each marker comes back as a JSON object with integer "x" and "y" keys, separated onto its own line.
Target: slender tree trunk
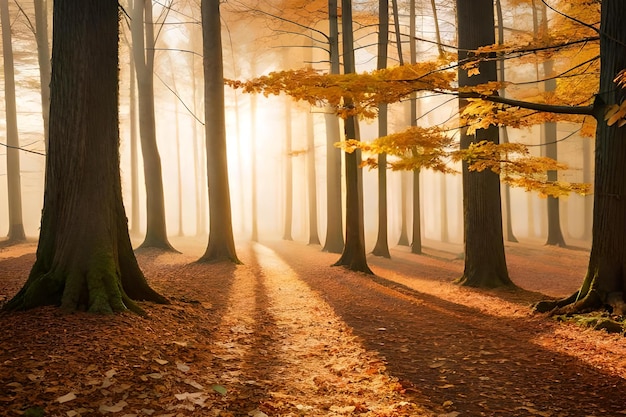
{"x": 485, "y": 264}
{"x": 14, "y": 187}
{"x": 288, "y": 173}
{"x": 555, "y": 234}
{"x": 43, "y": 58}
{"x": 179, "y": 176}
{"x": 504, "y": 133}
{"x": 143, "y": 51}
{"x": 605, "y": 282}
{"x": 311, "y": 180}
{"x": 381, "y": 248}
{"x": 134, "y": 157}
{"x": 84, "y": 258}
{"x": 221, "y": 244}
{"x": 334, "y": 218}
{"x": 416, "y": 243}
{"x": 254, "y": 235}
{"x": 353, "y": 256}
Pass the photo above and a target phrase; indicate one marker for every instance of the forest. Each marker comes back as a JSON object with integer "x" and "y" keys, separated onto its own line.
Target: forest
{"x": 313, "y": 208}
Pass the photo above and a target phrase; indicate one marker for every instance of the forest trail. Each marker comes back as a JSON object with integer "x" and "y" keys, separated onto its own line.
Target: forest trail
{"x": 286, "y": 334}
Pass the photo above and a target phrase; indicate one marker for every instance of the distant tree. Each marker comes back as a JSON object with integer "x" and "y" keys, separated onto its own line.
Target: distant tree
{"x": 311, "y": 175}
{"x": 381, "y": 247}
{"x": 221, "y": 246}
{"x": 143, "y": 40}
{"x": 288, "y": 216}
{"x": 84, "y": 258}
{"x": 16, "y": 223}
{"x": 43, "y": 58}
{"x": 485, "y": 263}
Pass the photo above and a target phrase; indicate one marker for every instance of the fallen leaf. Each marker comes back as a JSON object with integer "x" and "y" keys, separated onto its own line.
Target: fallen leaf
{"x": 67, "y": 397}
{"x": 182, "y": 367}
{"x": 193, "y": 384}
{"x": 161, "y": 361}
{"x": 115, "y": 408}
{"x": 257, "y": 413}
{"x": 219, "y": 389}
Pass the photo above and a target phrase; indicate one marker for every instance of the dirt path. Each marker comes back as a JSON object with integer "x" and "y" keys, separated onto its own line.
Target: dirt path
{"x": 470, "y": 352}
{"x": 285, "y": 334}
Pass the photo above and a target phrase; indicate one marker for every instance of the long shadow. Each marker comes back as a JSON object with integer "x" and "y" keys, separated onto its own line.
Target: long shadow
{"x": 459, "y": 358}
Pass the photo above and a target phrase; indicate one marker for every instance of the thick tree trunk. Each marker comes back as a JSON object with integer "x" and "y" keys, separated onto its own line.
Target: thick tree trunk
{"x": 84, "y": 258}
{"x": 353, "y": 256}
{"x": 605, "y": 282}
{"x": 16, "y": 224}
{"x": 485, "y": 264}
{"x": 334, "y": 217}
{"x": 143, "y": 52}
{"x": 221, "y": 244}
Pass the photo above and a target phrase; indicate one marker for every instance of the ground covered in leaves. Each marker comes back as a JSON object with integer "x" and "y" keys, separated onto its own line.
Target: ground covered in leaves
{"x": 286, "y": 334}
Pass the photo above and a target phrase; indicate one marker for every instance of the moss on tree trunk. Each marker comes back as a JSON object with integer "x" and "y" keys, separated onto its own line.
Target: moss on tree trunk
{"x": 604, "y": 285}
{"x": 84, "y": 258}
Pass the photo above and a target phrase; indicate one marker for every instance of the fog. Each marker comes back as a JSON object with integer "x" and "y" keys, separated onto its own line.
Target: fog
{"x": 257, "y": 131}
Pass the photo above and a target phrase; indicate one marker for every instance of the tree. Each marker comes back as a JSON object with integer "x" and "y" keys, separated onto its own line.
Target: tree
{"x": 485, "y": 264}
{"x": 605, "y": 281}
{"x": 334, "y": 219}
{"x": 353, "y": 256}
{"x": 142, "y": 30}
{"x": 16, "y": 224}
{"x": 84, "y": 258}
{"x": 43, "y": 57}
{"x": 311, "y": 175}
{"x": 221, "y": 244}
{"x": 381, "y": 248}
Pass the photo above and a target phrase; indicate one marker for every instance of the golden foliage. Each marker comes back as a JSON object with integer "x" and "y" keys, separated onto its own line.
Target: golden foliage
{"x": 352, "y": 94}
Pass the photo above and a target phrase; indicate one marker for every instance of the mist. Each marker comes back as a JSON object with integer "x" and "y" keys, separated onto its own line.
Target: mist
{"x": 258, "y": 132}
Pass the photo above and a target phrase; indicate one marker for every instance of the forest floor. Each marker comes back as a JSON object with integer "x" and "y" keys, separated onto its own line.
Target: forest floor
{"x": 286, "y": 334}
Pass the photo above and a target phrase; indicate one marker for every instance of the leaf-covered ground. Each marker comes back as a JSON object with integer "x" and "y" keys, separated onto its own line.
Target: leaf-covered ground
{"x": 286, "y": 334}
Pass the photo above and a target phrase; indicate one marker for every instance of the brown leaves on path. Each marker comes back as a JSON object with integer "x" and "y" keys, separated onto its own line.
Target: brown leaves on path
{"x": 237, "y": 340}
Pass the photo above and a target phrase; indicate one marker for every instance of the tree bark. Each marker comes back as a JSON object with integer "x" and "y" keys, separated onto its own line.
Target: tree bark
{"x": 143, "y": 52}
{"x": 485, "y": 264}
{"x": 84, "y": 259}
{"x": 221, "y": 244}
{"x": 334, "y": 217}
{"x": 14, "y": 187}
{"x": 353, "y": 256}
{"x": 311, "y": 180}
{"x": 605, "y": 281}
{"x": 381, "y": 248}
{"x": 43, "y": 58}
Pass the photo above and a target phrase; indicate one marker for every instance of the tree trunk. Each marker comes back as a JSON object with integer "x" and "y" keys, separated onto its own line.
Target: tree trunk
{"x": 381, "y": 248}
{"x": 221, "y": 244}
{"x": 353, "y": 256}
{"x": 143, "y": 52}
{"x": 504, "y": 135}
{"x": 134, "y": 157}
{"x": 334, "y": 217}
{"x": 416, "y": 243}
{"x": 555, "y": 235}
{"x": 312, "y": 180}
{"x": 605, "y": 281}
{"x": 84, "y": 258}
{"x": 288, "y": 173}
{"x": 485, "y": 264}
{"x": 43, "y": 58}
{"x": 14, "y": 187}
